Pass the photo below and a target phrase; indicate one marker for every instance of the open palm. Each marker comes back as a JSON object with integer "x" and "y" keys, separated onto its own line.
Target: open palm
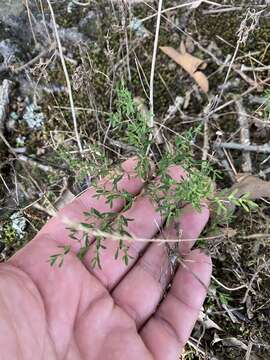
{"x": 76, "y": 312}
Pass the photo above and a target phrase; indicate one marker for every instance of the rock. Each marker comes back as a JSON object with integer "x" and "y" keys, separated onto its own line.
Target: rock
{"x": 71, "y": 35}
{"x": 11, "y": 7}
{"x": 8, "y": 50}
{"x": 89, "y": 25}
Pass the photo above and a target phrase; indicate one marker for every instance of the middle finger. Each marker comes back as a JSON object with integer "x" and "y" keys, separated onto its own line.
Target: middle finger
{"x": 146, "y": 223}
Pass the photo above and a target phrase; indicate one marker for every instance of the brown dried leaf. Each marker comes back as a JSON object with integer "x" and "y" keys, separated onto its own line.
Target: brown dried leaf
{"x": 202, "y": 80}
{"x": 261, "y": 124}
{"x": 255, "y": 187}
{"x": 247, "y": 184}
{"x": 189, "y": 63}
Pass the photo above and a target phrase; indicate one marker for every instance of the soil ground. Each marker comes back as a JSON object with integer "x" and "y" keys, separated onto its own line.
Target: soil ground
{"x": 105, "y": 42}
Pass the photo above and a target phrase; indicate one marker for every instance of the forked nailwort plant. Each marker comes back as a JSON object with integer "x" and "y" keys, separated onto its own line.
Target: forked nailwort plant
{"x": 131, "y": 126}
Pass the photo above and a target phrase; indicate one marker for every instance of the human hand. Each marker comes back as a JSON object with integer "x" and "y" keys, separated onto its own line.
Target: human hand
{"x": 77, "y": 312}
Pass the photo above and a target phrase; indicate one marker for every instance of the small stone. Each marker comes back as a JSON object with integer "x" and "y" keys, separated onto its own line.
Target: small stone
{"x": 89, "y": 25}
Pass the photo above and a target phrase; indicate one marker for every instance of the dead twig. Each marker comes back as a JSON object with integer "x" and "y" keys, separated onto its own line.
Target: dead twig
{"x": 224, "y": 162}
{"x": 260, "y": 268}
{"x": 5, "y": 90}
{"x": 36, "y": 58}
{"x": 29, "y": 14}
{"x": 248, "y": 353}
{"x": 226, "y": 287}
{"x": 171, "y": 112}
{"x": 256, "y": 69}
{"x": 193, "y": 4}
{"x": 44, "y": 20}
{"x": 80, "y": 3}
{"x": 80, "y": 227}
{"x": 206, "y": 145}
{"x": 265, "y": 148}
{"x": 217, "y": 11}
{"x": 35, "y": 163}
{"x": 244, "y": 135}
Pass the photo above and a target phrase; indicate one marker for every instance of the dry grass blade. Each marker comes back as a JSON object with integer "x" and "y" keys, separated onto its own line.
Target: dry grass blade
{"x": 152, "y": 74}
{"x": 60, "y": 49}
{"x": 244, "y": 135}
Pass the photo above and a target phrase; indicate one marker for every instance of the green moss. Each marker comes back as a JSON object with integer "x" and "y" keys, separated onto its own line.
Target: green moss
{"x": 104, "y": 55}
{"x": 225, "y": 26}
{"x": 8, "y": 235}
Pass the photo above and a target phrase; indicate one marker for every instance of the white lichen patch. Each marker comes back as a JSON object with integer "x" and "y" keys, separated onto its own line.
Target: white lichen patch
{"x": 18, "y": 223}
{"x": 33, "y": 116}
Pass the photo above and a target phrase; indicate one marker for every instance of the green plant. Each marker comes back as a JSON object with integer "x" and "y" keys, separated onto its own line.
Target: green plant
{"x": 96, "y": 162}
{"x": 13, "y": 231}
{"x": 9, "y": 235}
{"x": 224, "y": 298}
{"x": 131, "y": 126}
{"x": 59, "y": 257}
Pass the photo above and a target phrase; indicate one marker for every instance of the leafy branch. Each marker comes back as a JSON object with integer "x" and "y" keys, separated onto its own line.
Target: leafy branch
{"x": 197, "y": 186}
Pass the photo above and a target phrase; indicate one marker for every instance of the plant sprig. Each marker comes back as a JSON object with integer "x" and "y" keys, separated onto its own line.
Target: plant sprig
{"x": 132, "y": 126}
